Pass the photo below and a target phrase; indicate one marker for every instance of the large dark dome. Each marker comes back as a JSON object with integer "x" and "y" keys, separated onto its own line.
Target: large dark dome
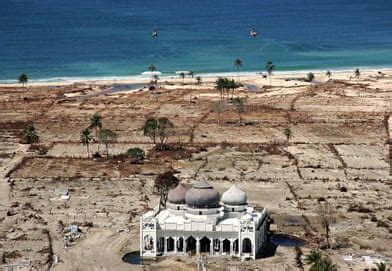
{"x": 177, "y": 195}
{"x": 202, "y": 195}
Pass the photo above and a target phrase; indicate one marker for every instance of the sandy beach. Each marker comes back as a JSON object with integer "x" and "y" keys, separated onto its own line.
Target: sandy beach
{"x": 338, "y": 152}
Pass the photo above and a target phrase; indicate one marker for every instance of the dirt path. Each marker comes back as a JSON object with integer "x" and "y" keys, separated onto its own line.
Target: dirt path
{"x": 20, "y": 152}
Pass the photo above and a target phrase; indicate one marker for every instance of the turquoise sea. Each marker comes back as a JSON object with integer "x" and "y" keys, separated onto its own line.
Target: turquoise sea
{"x": 60, "y": 40}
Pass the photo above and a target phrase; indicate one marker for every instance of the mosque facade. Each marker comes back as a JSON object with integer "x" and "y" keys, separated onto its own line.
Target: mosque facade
{"x": 197, "y": 220}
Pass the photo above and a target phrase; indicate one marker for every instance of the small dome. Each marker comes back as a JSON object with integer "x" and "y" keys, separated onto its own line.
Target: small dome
{"x": 202, "y": 195}
{"x": 234, "y": 196}
{"x": 177, "y": 195}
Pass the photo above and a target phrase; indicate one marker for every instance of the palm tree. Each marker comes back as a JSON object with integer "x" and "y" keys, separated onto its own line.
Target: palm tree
{"x": 381, "y": 266}
{"x": 287, "y": 133}
{"x": 152, "y": 69}
{"x": 198, "y": 80}
{"x": 357, "y": 73}
{"x": 310, "y": 77}
{"x": 30, "y": 135}
{"x": 85, "y": 139}
{"x": 318, "y": 262}
{"x": 313, "y": 257}
{"x": 238, "y": 65}
{"x": 192, "y": 74}
{"x": 239, "y": 104}
{"x": 269, "y": 67}
{"x": 182, "y": 75}
{"x": 156, "y": 79}
{"x": 23, "y": 79}
{"x": 328, "y": 74}
{"x": 220, "y": 86}
{"x": 96, "y": 124}
{"x": 107, "y": 136}
{"x": 325, "y": 264}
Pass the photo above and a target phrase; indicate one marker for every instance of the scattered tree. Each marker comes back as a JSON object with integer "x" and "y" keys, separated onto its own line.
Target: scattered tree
{"x": 152, "y": 69}
{"x": 328, "y": 74}
{"x": 238, "y": 65}
{"x": 85, "y": 139}
{"x": 137, "y": 155}
{"x": 163, "y": 183}
{"x": 269, "y": 67}
{"x": 106, "y": 136}
{"x": 23, "y": 79}
{"x": 380, "y": 266}
{"x": 220, "y": 86}
{"x": 357, "y": 73}
{"x": 156, "y": 79}
{"x": 192, "y": 74}
{"x": 30, "y": 134}
{"x": 160, "y": 129}
{"x": 182, "y": 75}
{"x": 239, "y": 104}
{"x": 319, "y": 263}
{"x": 96, "y": 124}
{"x": 198, "y": 80}
{"x": 310, "y": 77}
{"x": 287, "y": 132}
{"x": 219, "y": 107}
{"x": 327, "y": 218}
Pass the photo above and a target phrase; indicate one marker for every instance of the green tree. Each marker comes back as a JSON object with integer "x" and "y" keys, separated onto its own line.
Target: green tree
{"x": 357, "y": 73}
{"x": 233, "y": 85}
{"x": 269, "y": 68}
{"x": 198, "y": 80}
{"x": 156, "y": 79}
{"x": 220, "y": 85}
{"x": 313, "y": 257}
{"x": 106, "y": 137}
{"x": 152, "y": 69}
{"x": 96, "y": 123}
{"x": 239, "y": 104}
{"x": 163, "y": 183}
{"x": 328, "y": 74}
{"x": 137, "y": 155}
{"x": 287, "y": 133}
{"x": 85, "y": 139}
{"x": 219, "y": 107}
{"x": 30, "y": 134}
{"x": 310, "y": 77}
{"x": 192, "y": 74}
{"x": 380, "y": 266}
{"x": 325, "y": 264}
{"x": 238, "y": 65}
{"x": 23, "y": 79}
{"x": 158, "y": 129}
{"x": 182, "y": 75}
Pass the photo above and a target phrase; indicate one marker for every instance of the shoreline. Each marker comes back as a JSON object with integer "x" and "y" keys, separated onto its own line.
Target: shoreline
{"x": 206, "y": 77}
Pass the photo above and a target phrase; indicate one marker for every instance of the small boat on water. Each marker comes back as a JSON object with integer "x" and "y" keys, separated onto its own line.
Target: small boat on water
{"x": 154, "y": 33}
{"x": 253, "y": 33}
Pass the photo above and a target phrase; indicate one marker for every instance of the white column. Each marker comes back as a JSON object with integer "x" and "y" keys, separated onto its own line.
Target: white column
{"x": 231, "y": 247}
{"x": 220, "y": 246}
{"x": 183, "y": 244}
{"x": 175, "y": 244}
{"x": 212, "y": 246}
{"x": 164, "y": 246}
{"x": 197, "y": 246}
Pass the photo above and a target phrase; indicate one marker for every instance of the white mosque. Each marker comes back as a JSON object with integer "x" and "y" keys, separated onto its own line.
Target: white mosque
{"x": 198, "y": 221}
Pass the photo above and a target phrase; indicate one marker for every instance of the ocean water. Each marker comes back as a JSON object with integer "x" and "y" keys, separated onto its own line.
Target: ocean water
{"x": 58, "y": 39}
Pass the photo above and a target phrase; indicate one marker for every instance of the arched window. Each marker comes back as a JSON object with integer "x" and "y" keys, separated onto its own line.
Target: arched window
{"x": 246, "y": 246}
{"x": 170, "y": 244}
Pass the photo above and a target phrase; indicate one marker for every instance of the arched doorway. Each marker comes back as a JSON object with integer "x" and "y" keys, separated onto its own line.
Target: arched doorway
{"x": 246, "y": 246}
{"x": 216, "y": 245}
{"x": 205, "y": 244}
{"x": 160, "y": 244}
{"x": 226, "y": 246}
{"x": 191, "y": 245}
{"x": 235, "y": 246}
{"x": 180, "y": 244}
{"x": 170, "y": 244}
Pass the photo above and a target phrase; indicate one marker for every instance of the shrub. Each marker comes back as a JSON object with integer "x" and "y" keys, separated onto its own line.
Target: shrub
{"x": 137, "y": 155}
